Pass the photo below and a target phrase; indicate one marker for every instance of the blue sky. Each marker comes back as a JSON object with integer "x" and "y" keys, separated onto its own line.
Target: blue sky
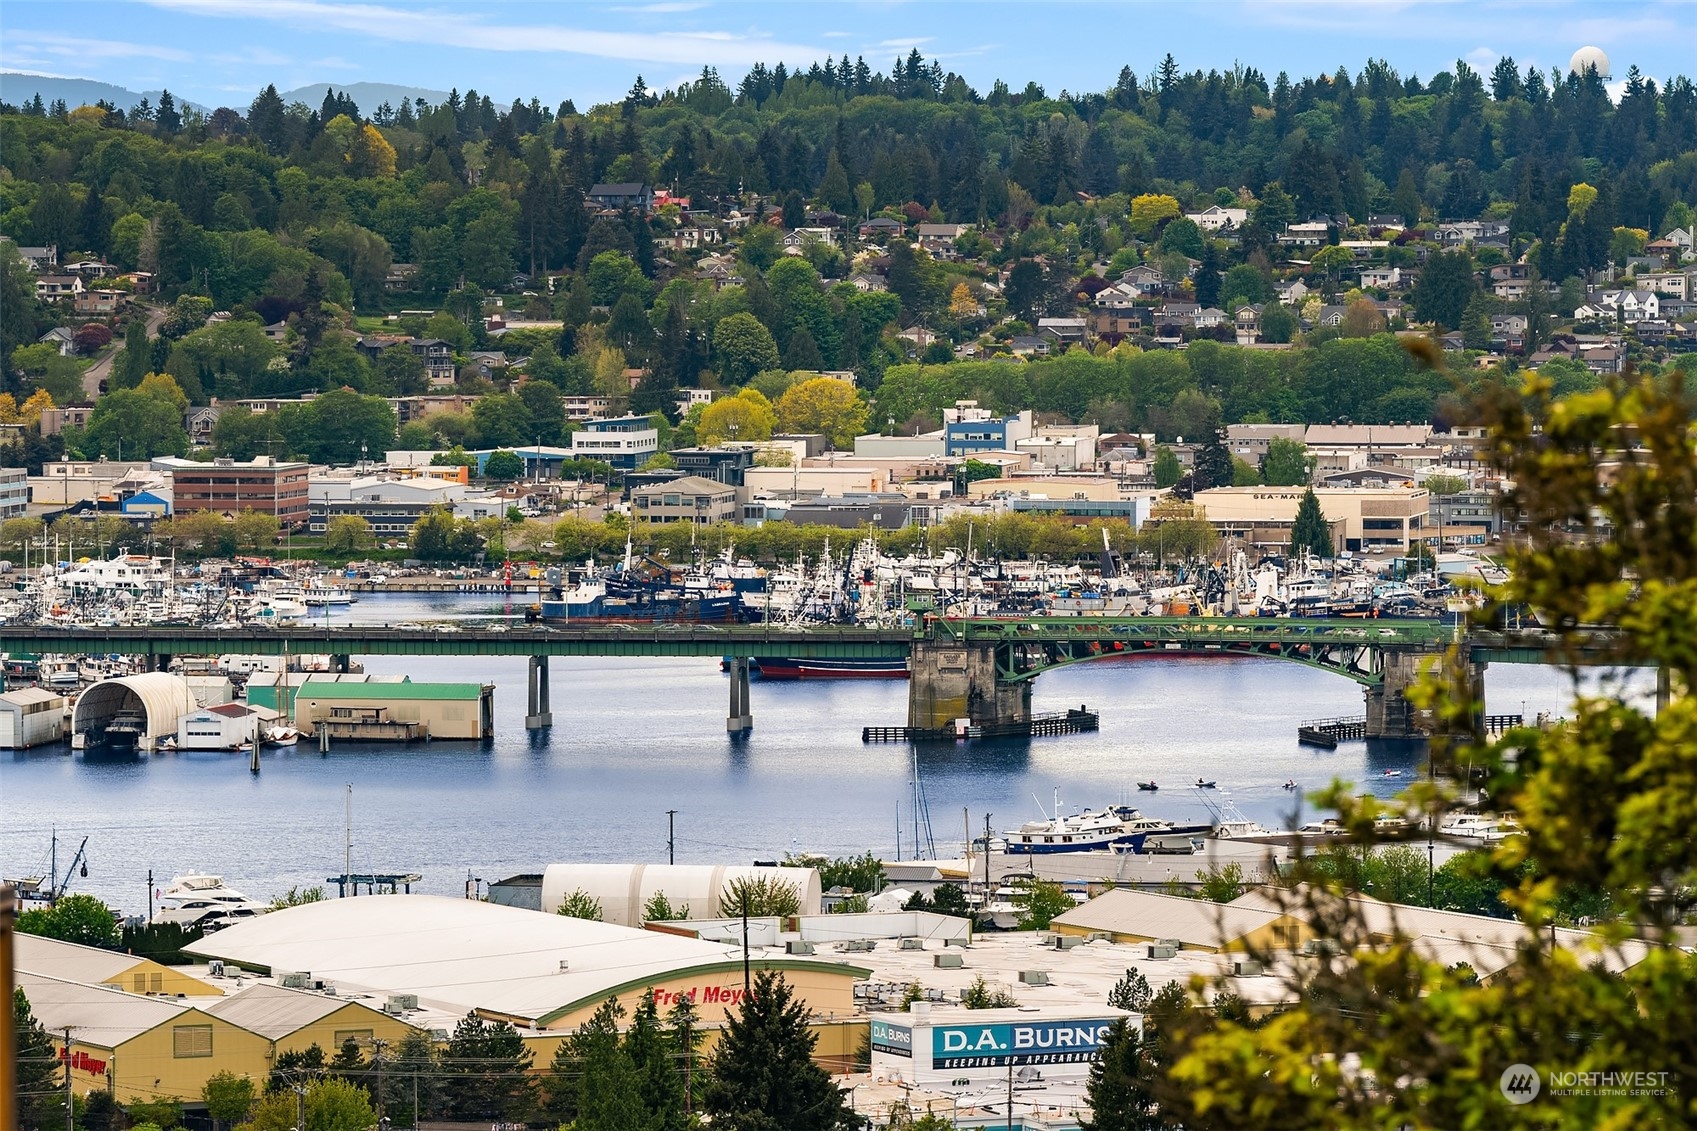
{"x": 220, "y": 52}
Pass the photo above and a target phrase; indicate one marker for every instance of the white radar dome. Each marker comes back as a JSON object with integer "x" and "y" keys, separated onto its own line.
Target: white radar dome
{"x": 1587, "y": 57}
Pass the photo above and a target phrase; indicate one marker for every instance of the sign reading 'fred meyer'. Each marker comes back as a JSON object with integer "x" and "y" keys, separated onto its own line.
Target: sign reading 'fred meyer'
{"x": 1017, "y": 1043}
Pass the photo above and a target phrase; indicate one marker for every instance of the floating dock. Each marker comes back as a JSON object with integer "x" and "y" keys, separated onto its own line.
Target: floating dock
{"x": 1327, "y": 733}
{"x": 1074, "y": 721}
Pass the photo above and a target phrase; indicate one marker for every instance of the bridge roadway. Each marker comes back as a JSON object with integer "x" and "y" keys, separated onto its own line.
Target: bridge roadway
{"x": 1205, "y": 634}
{"x": 1004, "y": 654}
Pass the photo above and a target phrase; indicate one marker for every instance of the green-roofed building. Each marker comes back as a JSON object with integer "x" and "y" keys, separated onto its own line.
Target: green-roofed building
{"x": 365, "y": 708}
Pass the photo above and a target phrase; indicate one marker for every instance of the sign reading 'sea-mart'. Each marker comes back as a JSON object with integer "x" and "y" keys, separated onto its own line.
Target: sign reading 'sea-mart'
{"x": 1017, "y": 1043}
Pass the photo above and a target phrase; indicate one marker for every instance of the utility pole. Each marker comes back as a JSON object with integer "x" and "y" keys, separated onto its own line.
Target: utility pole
{"x": 8, "y": 1037}
{"x": 671, "y": 836}
{"x": 150, "y": 895}
{"x": 300, "y": 1107}
{"x": 70, "y": 1105}
{"x": 745, "y": 978}
{"x": 377, "y": 1061}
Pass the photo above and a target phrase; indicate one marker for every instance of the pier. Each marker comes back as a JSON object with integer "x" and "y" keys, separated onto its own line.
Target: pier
{"x": 1073, "y": 721}
{"x": 1327, "y": 733}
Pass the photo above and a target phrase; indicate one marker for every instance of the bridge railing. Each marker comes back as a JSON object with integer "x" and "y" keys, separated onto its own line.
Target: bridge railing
{"x": 1190, "y": 630}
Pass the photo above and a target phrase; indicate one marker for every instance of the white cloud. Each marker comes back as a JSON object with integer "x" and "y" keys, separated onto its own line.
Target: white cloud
{"x": 463, "y": 29}
{"x": 40, "y": 43}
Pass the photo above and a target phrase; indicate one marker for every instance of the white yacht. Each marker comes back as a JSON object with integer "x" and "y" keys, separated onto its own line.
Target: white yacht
{"x": 323, "y": 592}
{"x": 202, "y": 900}
{"x": 1478, "y": 826}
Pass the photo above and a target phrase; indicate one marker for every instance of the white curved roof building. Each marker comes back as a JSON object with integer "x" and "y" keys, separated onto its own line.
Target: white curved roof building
{"x": 624, "y": 889}
{"x": 539, "y": 971}
{"x": 160, "y": 697}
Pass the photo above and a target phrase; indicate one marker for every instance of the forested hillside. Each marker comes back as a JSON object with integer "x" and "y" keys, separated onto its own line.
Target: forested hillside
{"x": 288, "y": 212}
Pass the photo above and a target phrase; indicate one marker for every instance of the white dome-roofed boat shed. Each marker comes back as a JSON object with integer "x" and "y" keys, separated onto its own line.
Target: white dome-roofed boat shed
{"x": 623, "y": 889}
{"x": 158, "y": 697}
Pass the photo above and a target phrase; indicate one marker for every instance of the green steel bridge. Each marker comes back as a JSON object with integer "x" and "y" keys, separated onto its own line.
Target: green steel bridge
{"x": 972, "y": 667}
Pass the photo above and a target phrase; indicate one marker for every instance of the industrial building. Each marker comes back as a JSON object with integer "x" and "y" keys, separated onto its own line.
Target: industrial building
{"x": 160, "y": 698}
{"x": 381, "y": 709}
{"x": 1362, "y": 519}
{"x": 138, "y": 1047}
{"x": 544, "y": 973}
{"x": 32, "y": 716}
{"x": 624, "y": 889}
{"x": 115, "y": 970}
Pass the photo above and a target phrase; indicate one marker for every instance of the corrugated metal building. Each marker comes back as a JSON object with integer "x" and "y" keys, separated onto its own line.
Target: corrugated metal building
{"x": 31, "y": 716}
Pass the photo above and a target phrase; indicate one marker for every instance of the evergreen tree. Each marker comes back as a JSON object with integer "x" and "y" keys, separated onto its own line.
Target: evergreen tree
{"x": 1208, "y": 276}
{"x": 1131, "y": 993}
{"x": 683, "y": 1042}
{"x": 1213, "y": 466}
{"x": 484, "y": 1072}
{"x": 566, "y": 1087}
{"x": 40, "y": 1100}
{"x": 610, "y": 1094}
{"x": 1310, "y": 531}
{"x": 650, "y": 1054}
{"x": 1121, "y": 1086}
{"x": 410, "y": 1073}
{"x": 763, "y": 1077}
{"x": 349, "y": 1063}
{"x": 296, "y": 1066}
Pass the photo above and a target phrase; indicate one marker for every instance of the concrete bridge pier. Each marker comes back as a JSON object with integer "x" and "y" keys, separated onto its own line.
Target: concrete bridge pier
{"x": 952, "y": 680}
{"x": 538, "y": 715}
{"x": 1390, "y": 714}
{"x": 341, "y": 663}
{"x": 741, "y": 717}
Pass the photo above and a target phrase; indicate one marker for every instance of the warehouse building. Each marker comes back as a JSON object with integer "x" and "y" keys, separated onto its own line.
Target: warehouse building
{"x": 697, "y": 890}
{"x": 136, "y": 1047}
{"x": 385, "y": 710}
{"x": 71, "y": 962}
{"x": 32, "y": 716}
{"x": 546, "y": 974}
{"x": 293, "y": 1020}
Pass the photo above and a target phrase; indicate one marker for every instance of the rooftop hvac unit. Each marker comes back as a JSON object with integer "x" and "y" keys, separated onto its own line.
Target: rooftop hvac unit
{"x": 1320, "y": 946}
{"x": 948, "y": 961}
{"x": 962, "y": 941}
{"x": 294, "y": 980}
{"x": 910, "y": 944}
{"x": 1099, "y": 936}
{"x": 1156, "y": 950}
{"x": 798, "y": 946}
{"x": 1247, "y": 968}
{"x": 392, "y": 1008}
{"x": 215, "y": 968}
{"x": 1066, "y": 942}
{"x": 1176, "y": 944}
{"x": 403, "y": 1001}
{"x": 857, "y": 946}
{"x": 564, "y": 965}
{"x": 329, "y": 991}
{"x": 1034, "y": 977}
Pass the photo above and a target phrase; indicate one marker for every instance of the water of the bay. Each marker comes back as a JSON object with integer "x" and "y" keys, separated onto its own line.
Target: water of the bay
{"x": 634, "y": 738}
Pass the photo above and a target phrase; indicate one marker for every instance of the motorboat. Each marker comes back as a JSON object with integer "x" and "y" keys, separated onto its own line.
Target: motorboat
{"x": 1080, "y": 832}
{"x": 201, "y": 899}
{"x": 1474, "y": 826}
{"x": 322, "y": 593}
{"x": 1148, "y": 786}
{"x": 1200, "y": 784}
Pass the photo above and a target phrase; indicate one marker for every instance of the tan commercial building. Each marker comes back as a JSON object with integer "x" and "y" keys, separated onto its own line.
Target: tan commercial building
{"x": 357, "y": 707}
{"x": 71, "y": 962}
{"x": 690, "y": 499}
{"x": 227, "y": 487}
{"x": 1363, "y": 519}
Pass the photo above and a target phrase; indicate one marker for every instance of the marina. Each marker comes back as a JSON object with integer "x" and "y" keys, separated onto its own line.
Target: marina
{"x": 595, "y": 786}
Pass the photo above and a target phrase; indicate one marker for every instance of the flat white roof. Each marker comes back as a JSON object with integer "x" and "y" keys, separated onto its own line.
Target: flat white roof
{"x": 462, "y": 954}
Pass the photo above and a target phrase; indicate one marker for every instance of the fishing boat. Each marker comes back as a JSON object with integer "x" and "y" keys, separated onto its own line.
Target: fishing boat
{"x": 321, "y": 593}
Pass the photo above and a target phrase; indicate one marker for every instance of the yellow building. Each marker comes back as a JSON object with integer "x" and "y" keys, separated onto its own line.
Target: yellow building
{"x": 294, "y": 1020}
{"x": 138, "y": 1047}
{"x": 92, "y": 966}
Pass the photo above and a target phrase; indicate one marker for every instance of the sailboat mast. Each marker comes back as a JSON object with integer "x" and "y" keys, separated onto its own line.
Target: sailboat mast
{"x": 348, "y": 839}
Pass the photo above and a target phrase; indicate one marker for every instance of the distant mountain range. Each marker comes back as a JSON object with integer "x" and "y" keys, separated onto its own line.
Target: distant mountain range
{"x": 18, "y": 89}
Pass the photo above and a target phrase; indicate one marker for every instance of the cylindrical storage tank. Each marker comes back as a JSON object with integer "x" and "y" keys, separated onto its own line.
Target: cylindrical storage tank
{"x": 623, "y": 890}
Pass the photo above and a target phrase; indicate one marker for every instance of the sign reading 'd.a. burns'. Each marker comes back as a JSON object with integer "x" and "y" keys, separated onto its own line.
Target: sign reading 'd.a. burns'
{"x": 897, "y": 1040}
{"x": 1017, "y": 1043}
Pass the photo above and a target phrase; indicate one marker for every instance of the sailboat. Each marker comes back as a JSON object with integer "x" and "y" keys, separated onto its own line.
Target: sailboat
{"x": 283, "y": 733}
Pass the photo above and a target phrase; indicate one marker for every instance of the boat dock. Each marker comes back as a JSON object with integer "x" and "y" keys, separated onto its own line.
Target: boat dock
{"x": 1075, "y": 720}
{"x": 1327, "y": 733}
